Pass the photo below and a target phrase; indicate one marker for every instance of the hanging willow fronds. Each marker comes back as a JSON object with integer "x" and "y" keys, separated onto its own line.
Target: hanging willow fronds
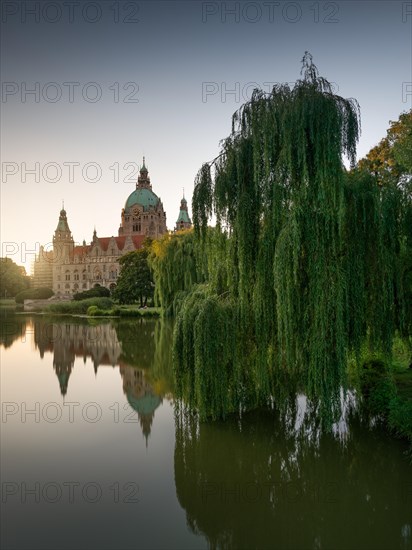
{"x": 310, "y": 255}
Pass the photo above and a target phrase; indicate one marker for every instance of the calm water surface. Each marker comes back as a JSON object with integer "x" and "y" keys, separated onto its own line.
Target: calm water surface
{"x": 96, "y": 454}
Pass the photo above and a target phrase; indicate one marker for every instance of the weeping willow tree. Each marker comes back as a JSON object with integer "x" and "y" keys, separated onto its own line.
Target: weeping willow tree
{"x": 177, "y": 265}
{"x": 310, "y": 256}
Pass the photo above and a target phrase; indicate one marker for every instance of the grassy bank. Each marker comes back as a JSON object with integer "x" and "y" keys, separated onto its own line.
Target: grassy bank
{"x": 98, "y": 307}
{"x": 123, "y": 311}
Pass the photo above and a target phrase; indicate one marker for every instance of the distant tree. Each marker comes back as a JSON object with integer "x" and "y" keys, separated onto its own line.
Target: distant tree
{"x": 95, "y": 292}
{"x": 41, "y": 293}
{"x": 135, "y": 282}
{"x": 13, "y": 278}
{"x": 391, "y": 160}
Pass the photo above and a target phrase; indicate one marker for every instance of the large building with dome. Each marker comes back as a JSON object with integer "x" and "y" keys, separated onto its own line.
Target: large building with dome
{"x": 70, "y": 268}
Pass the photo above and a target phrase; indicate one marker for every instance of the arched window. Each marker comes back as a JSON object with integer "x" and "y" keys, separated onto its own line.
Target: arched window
{"x": 67, "y": 276}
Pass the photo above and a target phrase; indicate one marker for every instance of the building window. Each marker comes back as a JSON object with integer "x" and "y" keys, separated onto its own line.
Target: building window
{"x": 67, "y": 276}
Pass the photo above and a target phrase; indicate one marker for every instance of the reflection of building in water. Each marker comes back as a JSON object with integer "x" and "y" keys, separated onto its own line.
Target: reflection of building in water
{"x": 140, "y": 395}
{"x": 68, "y": 341}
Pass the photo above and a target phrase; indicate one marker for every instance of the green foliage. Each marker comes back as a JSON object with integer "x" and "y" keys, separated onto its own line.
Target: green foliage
{"x": 13, "y": 278}
{"x": 95, "y": 292}
{"x": 204, "y": 339}
{"x": 177, "y": 264}
{"x": 135, "y": 282}
{"x": 80, "y": 306}
{"x": 377, "y": 386}
{"x": 400, "y": 418}
{"x": 386, "y": 394}
{"x": 391, "y": 160}
{"x": 147, "y": 312}
{"x": 304, "y": 265}
{"x": 34, "y": 294}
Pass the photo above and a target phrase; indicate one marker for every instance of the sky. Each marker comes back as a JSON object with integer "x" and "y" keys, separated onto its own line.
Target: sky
{"x": 89, "y": 88}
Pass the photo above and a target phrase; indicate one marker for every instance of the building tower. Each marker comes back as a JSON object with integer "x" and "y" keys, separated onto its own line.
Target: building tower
{"x": 183, "y": 221}
{"x": 63, "y": 243}
{"x": 63, "y": 246}
{"x": 143, "y": 212}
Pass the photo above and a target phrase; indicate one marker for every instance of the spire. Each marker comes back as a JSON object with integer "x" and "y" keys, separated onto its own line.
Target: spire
{"x": 143, "y": 181}
{"x": 63, "y": 226}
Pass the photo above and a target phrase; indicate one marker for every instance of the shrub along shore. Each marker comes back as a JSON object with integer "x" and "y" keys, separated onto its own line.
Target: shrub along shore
{"x": 91, "y": 307}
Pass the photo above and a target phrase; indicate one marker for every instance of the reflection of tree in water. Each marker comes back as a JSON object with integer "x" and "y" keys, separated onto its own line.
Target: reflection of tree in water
{"x": 248, "y": 484}
{"x": 12, "y": 327}
{"x": 145, "y": 385}
{"x": 161, "y": 374}
{"x": 136, "y": 338}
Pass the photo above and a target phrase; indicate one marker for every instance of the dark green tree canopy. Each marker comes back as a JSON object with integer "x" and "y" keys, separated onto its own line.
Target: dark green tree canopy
{"x": 135, "y": 282}
{"x": 13, "y": 278}
{"x": 309, "y": 257}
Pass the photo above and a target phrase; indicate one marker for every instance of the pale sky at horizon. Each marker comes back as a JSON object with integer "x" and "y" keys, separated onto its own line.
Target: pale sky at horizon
{"x": 181, "y": 61}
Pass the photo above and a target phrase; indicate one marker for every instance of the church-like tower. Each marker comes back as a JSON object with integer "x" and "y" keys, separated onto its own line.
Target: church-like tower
{"x": 63, "y": 243}
{"x": 63, "y": 247}
{"x": 183, "y": 221}
{"x": 143, "y": 213}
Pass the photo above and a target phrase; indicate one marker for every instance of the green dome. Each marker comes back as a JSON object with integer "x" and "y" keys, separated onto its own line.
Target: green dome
{"x": 146, "y": 404}
{"x": 143, "y": 197}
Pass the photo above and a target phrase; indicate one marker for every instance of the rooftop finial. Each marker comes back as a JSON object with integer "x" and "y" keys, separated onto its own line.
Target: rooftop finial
{"x": 183, "y": 192}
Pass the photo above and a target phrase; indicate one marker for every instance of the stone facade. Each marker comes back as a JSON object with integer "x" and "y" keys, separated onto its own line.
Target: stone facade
{"x": 70, "y": 268}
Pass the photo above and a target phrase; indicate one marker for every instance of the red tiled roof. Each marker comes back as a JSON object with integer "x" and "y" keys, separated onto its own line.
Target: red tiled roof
{"x": 80, "y": 250}
{"x": 120, "y": 241}
{"x": 103, "y": 242}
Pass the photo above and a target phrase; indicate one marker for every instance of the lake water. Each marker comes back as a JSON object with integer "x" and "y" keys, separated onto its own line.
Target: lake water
{"x": 96, "y": 454}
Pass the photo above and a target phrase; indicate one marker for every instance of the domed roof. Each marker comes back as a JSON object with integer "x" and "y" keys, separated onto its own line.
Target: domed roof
{"x": 143, "y": 197}
{"x": 146, "y": 404}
